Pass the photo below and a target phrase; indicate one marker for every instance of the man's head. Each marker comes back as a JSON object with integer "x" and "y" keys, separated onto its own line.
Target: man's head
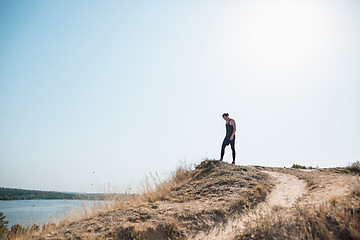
{"x": 226, "y": 116}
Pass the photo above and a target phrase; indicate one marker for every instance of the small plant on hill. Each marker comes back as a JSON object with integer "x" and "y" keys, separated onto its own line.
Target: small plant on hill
{"x": 354, "y": 167}
{"x": 16, "y": 231}
{"x": 171, "y": 229}
{"x": 3, "y": 226}
{"x": 298, "y": 166}
{"x": 129, "y": 232}
{"x": 35, "y": 228}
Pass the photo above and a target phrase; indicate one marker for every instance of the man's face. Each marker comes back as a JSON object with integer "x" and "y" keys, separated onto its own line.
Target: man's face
{"x": 225, "y": 118}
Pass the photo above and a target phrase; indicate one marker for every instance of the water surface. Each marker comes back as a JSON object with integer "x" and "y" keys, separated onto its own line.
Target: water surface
{"x": 29, "y": 212}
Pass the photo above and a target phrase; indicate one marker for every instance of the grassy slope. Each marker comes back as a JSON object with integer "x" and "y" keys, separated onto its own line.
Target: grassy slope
{"x": 194, "y": 201}
{"x": 191, "y": 201}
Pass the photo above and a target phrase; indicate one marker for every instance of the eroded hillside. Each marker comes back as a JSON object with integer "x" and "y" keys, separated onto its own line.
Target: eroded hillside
{"x": 217, "y": 201}
{"x": 197, "y": 201}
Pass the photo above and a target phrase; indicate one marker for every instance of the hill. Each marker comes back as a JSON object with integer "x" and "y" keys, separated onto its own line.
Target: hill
{"x": 217, "y": 200}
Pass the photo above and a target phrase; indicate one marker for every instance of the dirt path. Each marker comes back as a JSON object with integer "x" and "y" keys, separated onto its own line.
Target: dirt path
{"x": 288, "y": 189}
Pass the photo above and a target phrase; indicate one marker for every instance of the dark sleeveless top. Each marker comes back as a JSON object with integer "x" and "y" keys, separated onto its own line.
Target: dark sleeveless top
{"x": 229, "y": 128}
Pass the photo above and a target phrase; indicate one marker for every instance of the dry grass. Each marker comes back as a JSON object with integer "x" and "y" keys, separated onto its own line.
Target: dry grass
{"x": 155, "y": 189}
{"x": 335, "y": 219}
{"x": 164, "y": 230}
{"x": 354, "y": 167}
{"x": 313, "y": 217}
{"x": 260, "y": 225}
{"x": 172, "y": 229}
{"x": 186, "y": 202}
{"x": 355, "y": 189}
{"x": 131, "y": 232}
{"x": 190, "y": 201}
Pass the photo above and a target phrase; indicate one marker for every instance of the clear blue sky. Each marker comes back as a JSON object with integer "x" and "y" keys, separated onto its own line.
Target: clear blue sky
{"x": 125, "y": 88}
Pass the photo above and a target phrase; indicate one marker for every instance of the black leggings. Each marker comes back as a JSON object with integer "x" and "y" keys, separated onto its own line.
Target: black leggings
{"x": 232, "y": 144}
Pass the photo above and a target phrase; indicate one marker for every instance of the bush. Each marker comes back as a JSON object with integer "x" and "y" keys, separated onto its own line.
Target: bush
{"x": 129, "y": 232}
{"x": 354, "y": 167}
{"x": 17, "y": 229}
{"x": 3, "y": 224}
{"x": 298, "y": 166}
{"x": 171, "y": 229}
{"x": 35, "y": 228}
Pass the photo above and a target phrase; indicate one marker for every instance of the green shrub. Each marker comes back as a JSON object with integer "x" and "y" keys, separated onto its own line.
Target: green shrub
{"x": 3, "y": 226}
{"x": 17, "y": 229}
{"x": 298, "y": 166}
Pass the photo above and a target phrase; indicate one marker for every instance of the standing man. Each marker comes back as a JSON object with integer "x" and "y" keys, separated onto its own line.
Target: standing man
{"x": 230, "y": 136}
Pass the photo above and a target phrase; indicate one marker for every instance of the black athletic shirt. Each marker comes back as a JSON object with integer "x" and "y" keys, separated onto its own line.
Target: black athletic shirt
{"x": 229, "y": 128}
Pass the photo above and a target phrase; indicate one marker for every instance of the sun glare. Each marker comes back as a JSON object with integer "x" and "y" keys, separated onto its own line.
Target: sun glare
{"x": 284, "y": 36}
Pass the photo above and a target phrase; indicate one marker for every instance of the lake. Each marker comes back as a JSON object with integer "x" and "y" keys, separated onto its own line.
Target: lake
{"x": 29, "y": 212}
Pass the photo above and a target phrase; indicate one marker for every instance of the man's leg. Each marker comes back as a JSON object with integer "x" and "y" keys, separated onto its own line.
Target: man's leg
{"x": 223, "y": 149}
{"x": 232, "y": 144}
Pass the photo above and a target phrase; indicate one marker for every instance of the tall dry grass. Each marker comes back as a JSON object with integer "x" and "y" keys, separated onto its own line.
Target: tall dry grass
{"x": 338, "y": 218}
{"x": 153, "y": 188}
{"x": 156, "y": 189}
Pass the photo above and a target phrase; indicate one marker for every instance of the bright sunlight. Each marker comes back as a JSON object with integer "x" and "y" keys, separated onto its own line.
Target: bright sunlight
{"x": 287, "y": 35}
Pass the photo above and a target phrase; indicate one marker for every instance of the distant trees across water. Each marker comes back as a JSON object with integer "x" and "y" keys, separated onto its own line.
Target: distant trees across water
{"x": 21, "y": 194}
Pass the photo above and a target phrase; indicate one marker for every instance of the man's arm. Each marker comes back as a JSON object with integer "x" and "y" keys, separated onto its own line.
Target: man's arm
{"x": 234, "y": 126}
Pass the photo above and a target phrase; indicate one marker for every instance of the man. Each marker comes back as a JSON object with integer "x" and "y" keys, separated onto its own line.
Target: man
{"x": 230, "y": 136}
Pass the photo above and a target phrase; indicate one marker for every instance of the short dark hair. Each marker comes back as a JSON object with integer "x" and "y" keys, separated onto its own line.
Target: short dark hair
{"x": 225, "y": 115}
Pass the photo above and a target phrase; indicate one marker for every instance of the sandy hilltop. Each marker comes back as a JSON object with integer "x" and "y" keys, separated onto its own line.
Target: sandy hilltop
{"x": 217, "y": 200}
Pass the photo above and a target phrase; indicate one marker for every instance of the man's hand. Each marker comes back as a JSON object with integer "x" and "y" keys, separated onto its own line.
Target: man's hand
{"x": 232, "y": 137}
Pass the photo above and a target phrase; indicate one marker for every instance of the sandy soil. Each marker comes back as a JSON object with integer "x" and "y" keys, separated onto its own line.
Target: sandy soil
{"x": 326, "y": 185}
{"x": 288, "y": 189}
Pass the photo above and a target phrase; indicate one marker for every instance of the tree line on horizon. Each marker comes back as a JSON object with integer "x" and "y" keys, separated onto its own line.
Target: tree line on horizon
{"x": 22, "y": 194}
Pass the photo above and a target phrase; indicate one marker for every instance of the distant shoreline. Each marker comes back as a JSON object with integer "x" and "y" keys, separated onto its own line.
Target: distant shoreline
{"x": 23, "y": 194}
